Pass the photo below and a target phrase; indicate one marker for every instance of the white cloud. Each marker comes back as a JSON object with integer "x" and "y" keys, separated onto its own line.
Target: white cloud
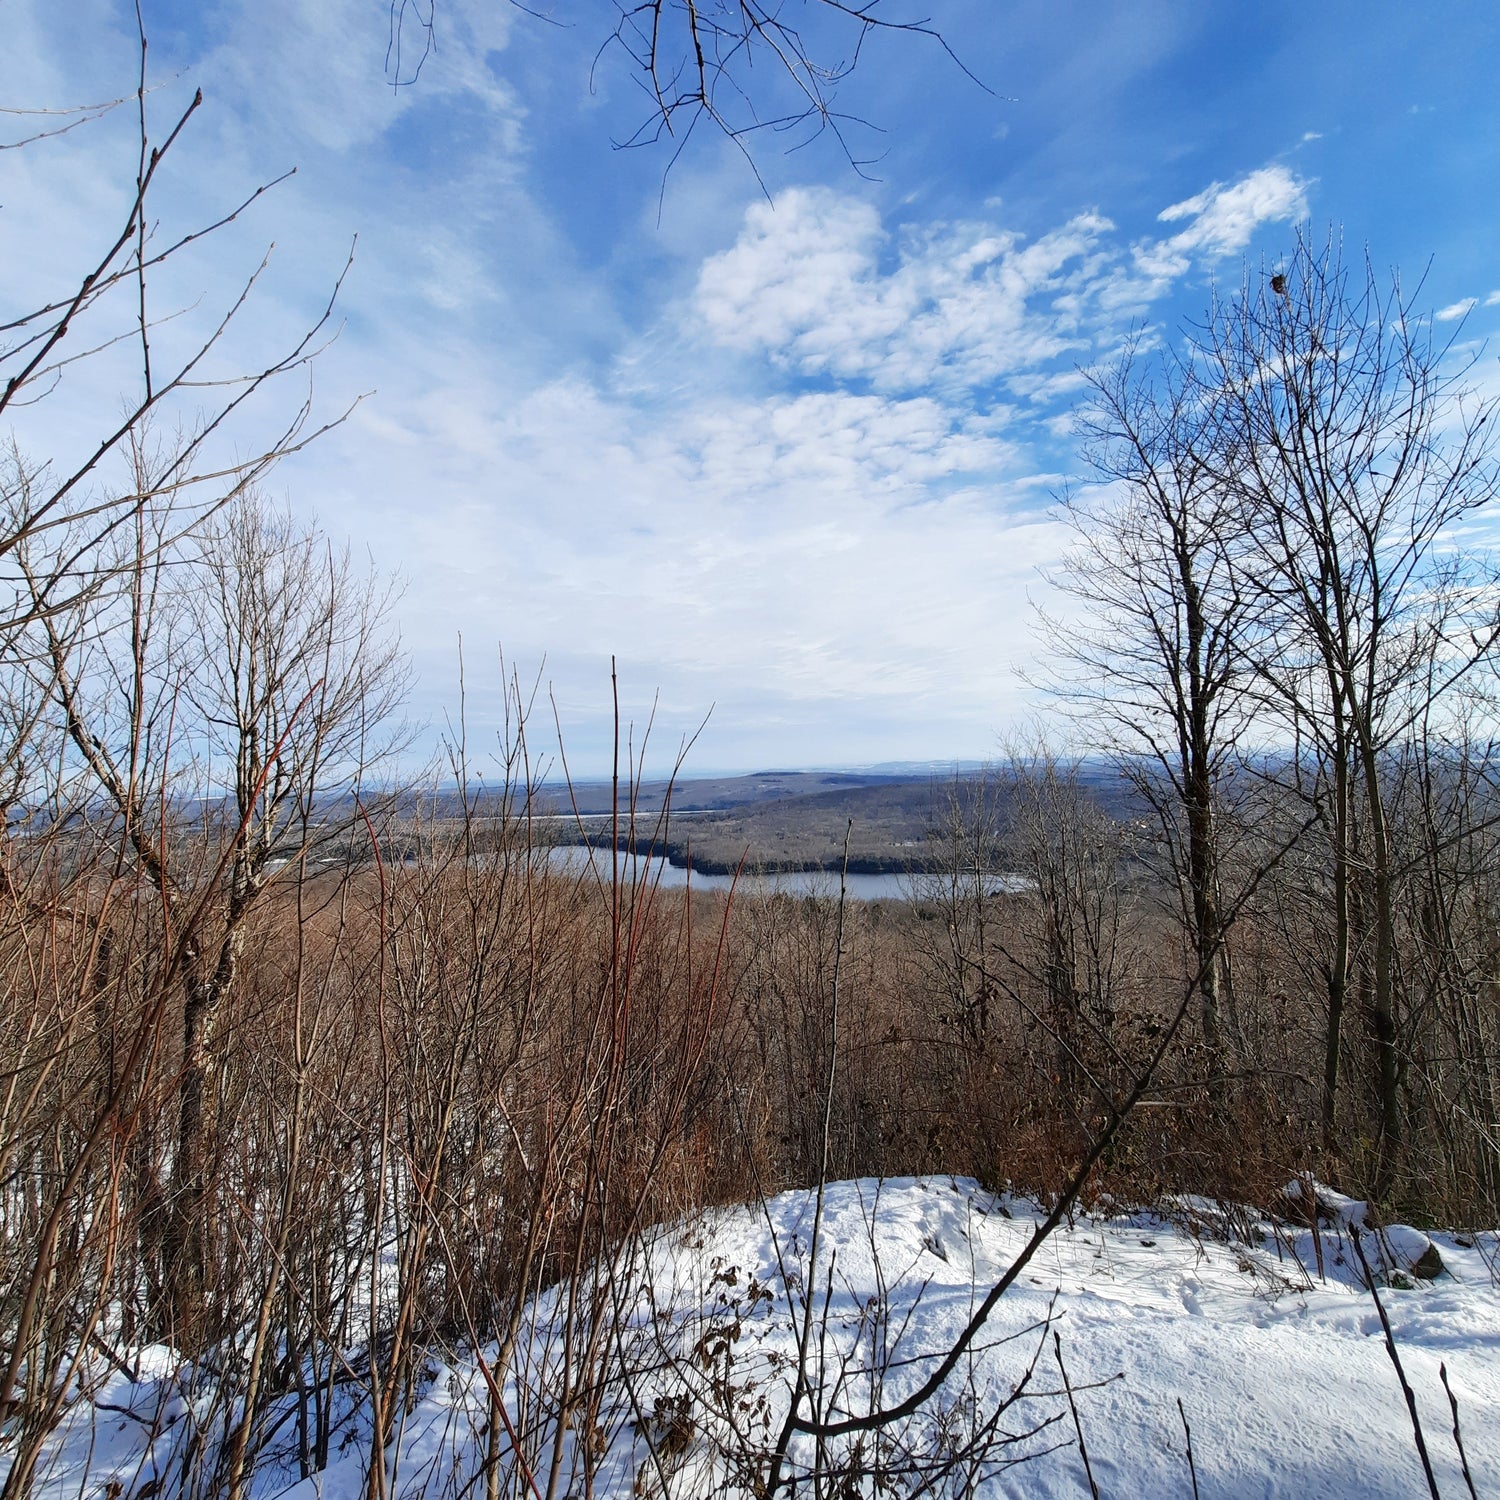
{"x": 1456, "y": 310}
{"x": 548, "y": 475}
{"x": 1493, "y": 300}
{"x": 1222, "y": 219}
{"x": 822, "y": 287}
{"x": 797, "y": 268}
{"x": 965, "y": 304}
{"x": 853, "y": 551}
{"x": 803, "y": 555}
{"x": 858, "y": 445}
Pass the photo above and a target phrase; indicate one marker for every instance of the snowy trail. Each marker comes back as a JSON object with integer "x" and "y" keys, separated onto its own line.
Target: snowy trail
{"x": 1284, "y": 1377}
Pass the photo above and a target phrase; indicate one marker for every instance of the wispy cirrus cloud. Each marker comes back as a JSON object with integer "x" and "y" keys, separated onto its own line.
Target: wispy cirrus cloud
{"x": 311, "y": 74}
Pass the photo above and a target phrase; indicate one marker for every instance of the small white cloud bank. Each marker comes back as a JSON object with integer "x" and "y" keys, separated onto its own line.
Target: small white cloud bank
{"x": 1223, "y": 219}
{"x": 1456, "y": 310}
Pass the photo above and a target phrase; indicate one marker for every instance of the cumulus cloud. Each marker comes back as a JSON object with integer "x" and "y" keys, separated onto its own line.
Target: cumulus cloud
{"x": 808, "y": 282}
{"x": 820, "y": 285}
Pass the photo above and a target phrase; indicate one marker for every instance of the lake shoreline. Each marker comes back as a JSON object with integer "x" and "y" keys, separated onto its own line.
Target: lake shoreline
{"x": 680, "y": 854}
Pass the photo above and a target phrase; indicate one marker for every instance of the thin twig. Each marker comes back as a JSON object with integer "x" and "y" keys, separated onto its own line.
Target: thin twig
{"x": 1187, "y": 1433}
{"x": 1390, "y": 1347}
{"x": 1458, "y": 1437}
{"x": 800, "y": 1380}
{"x": 1083, "y": 1447}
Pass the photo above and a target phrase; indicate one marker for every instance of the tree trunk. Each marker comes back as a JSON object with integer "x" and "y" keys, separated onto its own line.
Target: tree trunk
{"x": 185, "y": 1240}
{"x": 1388, "y": 1138}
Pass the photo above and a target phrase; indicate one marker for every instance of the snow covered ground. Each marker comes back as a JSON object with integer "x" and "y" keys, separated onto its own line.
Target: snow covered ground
{"x": 1268, "y": 1338}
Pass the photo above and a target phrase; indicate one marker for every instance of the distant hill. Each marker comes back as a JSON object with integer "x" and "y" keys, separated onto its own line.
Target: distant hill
{"x": 788, "y": 820}
{"x": 773, "y": 820}
{"x": 719, "y": 793}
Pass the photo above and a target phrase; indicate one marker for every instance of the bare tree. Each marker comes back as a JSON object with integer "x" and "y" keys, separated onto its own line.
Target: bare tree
{"x": 1279, "y": 546}
{"x": 56, "y": 509}
{"x": 1445, "y": 820}
{"x": 1072, "y": 964}
{"x": 1157, "y": 661}
{"x": 90, "y": 512}
{"x": 1349, "y": 438}
{"x": 960, "y": 887}
{"x": 242, "y": 682}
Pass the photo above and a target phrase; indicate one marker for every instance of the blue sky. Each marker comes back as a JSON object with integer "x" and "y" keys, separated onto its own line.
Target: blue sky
{"x": 785, "y": 447}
